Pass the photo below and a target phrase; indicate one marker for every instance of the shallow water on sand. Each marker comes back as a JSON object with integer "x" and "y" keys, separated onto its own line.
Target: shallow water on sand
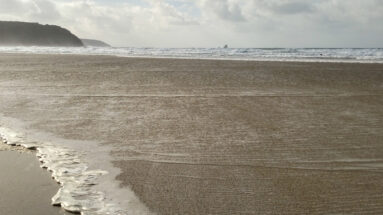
{"x": 25, "y": 188}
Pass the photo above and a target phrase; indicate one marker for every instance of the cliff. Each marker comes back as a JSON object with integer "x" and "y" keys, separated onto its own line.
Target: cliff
{"x": 94, "y": 43}
{"x": 34, "y": 34}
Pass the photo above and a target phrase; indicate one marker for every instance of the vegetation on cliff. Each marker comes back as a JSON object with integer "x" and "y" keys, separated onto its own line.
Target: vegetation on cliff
{"x": 34, "y": 34}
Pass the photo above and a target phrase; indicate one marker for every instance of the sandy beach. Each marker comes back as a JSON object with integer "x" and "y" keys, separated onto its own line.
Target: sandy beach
{"x": 208, "y": 136}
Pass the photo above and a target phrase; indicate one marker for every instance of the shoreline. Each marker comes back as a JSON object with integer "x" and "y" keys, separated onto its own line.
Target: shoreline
{"x": 276, "y": 60}
{"x": 17, "y": 145}
{"x": 21, "y": 181}
{"x": 74, "y": 177}
{"x": 161, "y": 127}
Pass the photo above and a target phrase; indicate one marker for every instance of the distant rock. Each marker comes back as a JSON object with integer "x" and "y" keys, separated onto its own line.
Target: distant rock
{"x": 34, "y": 34}
{"x": 94, "y": 43}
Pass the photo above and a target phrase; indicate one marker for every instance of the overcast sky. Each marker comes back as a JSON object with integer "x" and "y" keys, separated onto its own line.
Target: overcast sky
{"x": 210, "y": 23}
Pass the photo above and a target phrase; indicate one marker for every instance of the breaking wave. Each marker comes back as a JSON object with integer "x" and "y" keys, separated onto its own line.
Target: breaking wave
{"x": 363, "y": 55}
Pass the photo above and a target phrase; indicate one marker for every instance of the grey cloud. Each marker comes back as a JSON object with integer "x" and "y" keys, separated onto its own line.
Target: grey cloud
{"x": 11, "y": 6}
{"x": 172, "y": 15}
{"x": 294, "y": 7}
{"x": 45, "y": 10}
{"x": 34, "y": 10}
{"x": 251, "y": 23}
{"x": 224, "y": 9}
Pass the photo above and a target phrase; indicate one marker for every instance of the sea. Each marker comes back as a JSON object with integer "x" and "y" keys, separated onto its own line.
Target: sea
{"x": 351, "y": 55}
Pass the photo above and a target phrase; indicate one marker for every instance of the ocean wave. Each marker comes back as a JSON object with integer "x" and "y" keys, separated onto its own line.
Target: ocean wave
{"x": 363, "y": 55}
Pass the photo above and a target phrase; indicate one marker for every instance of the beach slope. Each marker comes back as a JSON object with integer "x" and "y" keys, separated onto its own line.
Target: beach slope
{"x": 212, "y": 136}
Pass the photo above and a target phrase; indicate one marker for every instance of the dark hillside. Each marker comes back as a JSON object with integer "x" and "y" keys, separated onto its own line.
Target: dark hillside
{"x": 34, "y": 34}
{"x": 94, "y": 43}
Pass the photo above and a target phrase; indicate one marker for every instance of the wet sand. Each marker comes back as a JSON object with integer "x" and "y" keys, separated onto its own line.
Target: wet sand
{"x": 25, "y": 188}
{"x": 215, "y": 137}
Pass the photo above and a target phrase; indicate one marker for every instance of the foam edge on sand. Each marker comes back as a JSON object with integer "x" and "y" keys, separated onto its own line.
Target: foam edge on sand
{"x": 76, "y": 193}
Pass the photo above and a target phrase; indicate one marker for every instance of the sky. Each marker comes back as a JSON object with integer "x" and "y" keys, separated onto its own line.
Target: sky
{"x": 211, "y": 23}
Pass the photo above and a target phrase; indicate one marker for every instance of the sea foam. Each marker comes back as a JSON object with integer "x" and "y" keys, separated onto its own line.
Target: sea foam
{"x": 349, "y": 55}
{"x": 76, "y": 193}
